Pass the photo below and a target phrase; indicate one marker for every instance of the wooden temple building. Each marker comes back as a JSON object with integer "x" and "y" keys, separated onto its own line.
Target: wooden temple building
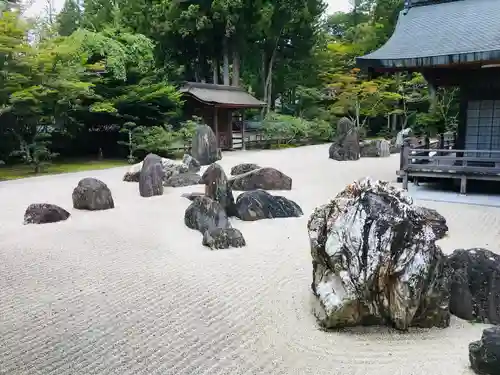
{"x": 216, "y": 105}
{"x": 453, "y": 43}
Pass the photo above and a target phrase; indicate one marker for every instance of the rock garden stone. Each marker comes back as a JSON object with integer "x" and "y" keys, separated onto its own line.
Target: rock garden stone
{"x": 134, "y": 173}
{"x": 217, "y": 187}
{"x": 475, "y": 285}
{"x": 204, "y": 214}
{"x": 375, "y": 148}
{"x": 259, "y": 204}
{"x": 375, "y": 261}
{"x": 183, "y": 179}
{"x": 92, "y": 194}
{"x": 223, "y": 238}
{"x": 346, "y": 144}
{"x": 192, "y": 164}
{"x": 484, "y": 355}
{"x": 192, "y": 196}
{"x": 243, "y": 168}
{"x": 151, "y": 176}
{"x": 204, "y": 146}
{"x": 262, "y": 178}
{"x": 42, "y": 213}
{"x": 435, "y": 220}
{"x": 402, "y": 134}
{"x": 172, "y": 168}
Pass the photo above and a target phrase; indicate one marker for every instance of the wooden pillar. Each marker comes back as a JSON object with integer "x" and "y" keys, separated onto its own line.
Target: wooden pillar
{"x": 216, "y": 125}
{"x": 243, "y": 146}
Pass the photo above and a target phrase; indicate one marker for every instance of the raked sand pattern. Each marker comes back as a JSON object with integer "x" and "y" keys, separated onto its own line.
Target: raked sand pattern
{"x": 132, "y": 290}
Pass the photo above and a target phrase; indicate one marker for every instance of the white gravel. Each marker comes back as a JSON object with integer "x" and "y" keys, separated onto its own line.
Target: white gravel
{"x": 132, "y": 290}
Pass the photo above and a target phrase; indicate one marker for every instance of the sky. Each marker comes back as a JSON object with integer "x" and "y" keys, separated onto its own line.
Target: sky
{"x": 39, "y": 5}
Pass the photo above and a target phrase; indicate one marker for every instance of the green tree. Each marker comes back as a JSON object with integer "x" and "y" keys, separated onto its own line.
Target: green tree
{"x": 69, "y": 18}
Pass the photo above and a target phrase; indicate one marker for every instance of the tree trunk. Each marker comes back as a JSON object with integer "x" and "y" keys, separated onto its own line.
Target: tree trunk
{"x": 236, "y": 68}
{"x": 225, "y": 53}
{"x": 215, "y": 71}
{"x": 268, "y": 85}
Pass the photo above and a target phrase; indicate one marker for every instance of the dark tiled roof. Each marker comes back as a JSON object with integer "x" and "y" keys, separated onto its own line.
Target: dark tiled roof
{"x": 440, "y": 34}
{"x": 221, "y": 95}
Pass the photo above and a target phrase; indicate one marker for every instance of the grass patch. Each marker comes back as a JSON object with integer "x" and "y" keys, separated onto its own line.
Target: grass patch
{"x": 14, "y": 172}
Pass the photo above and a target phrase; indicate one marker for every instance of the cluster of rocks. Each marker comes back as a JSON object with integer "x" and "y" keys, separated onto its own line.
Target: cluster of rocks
{"x": 90, "y": 194}
{"x": 375, "y": 261}
{"x": 347, "y": 144}
{"x": 209, "y": 212}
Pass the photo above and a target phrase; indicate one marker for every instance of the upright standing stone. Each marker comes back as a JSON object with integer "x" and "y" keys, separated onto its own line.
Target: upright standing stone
{"x": 92, "y": 194}
{"x": 151, "y": 176}
{"x": 346, "y": 144}
{"x": 204, "y": 146}
{"x": 217, "y": 187}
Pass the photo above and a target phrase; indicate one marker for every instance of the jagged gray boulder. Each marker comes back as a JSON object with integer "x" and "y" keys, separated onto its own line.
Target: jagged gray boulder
{"x": 192, "y": 164}
{"x": 375, "y": 148}
{"x": 346, "y": 143}
{"x": 435, "y": 220}
{"x": 243, "y": 168}
{"x": 183, "y": 179}
{"x": 375, "y": 261}
{"x": 93, "y": 195}
{"x": 484, "y": 355}
{"x": 151, "y": 176}
{"x": 204, "y": 214}
{"x": 217, "y": 187}
{"x": 42, "y": 213}
{"x": 223, "y": 238}
{"x": 475, "y": 285}
{"x": 204, "y": 146}
{"x": 262, "y": 178}
{"x": 259, "y": 204}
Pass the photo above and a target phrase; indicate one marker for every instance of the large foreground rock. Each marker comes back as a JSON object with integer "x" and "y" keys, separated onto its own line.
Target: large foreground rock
{"x": 183, "y": 179}
{"x": 346, "y": 144}
{"x": 92, "y": 194}
{"x": 218, "y": 188}
{"x": 204, "y": 145}
{"x": 151, "y": 177}
{"x": 259, "y": 204}
{"x": 243, "y": 168}
{"x": 220, "y": 238}
{"x": 375, "y": 261}
{"x": 42, "y": 213}
{"x": 375, "y": 148}
{"x": 262, "y": 178}
{"x": 475, "y": 287}
{"x": 484, "y": 355}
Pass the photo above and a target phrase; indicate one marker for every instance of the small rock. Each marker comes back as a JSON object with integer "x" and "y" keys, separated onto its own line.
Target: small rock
{"x": 262, "y": 178}
{"x": 42, "y": 213}
{"x": 259, "y": 204}
{"x": 217, "y": 187}
{"x": 484, "y": 355}
{"x": 435, "y": 220}
{"x": 92, "y": 194}
{"x": 192, "y": 164}
{"x": 206, "y": 214}
{"x": 475, "y": 285}
{"x": 133, "y": 174}
{"x": 172, "y": 168}
{"x": 192, "y": 196}
{"x": 204, "y": 147}
{"x": 223, "y": 238}
{"x": 375, "y": 148}
{"x": 243, "y": 168}
{"x": 151, "y": 176}
{"x": 183, "y": 179}
{"x": 346, "y": 144}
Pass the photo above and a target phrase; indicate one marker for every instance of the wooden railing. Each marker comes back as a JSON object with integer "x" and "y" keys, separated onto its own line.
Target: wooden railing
{"x": 449, "y": 163}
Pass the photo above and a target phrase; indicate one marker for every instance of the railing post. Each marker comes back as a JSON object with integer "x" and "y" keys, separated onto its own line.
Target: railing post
{"x": 441, "y": 144}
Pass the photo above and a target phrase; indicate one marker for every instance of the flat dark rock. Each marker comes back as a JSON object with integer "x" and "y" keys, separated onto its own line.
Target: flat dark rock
{"x": 192, "y": 196}
{"x": 204, "y": 146}
{"x": 183, "y": 179}
{"x": 151, "y": 176}
{"x": 132, "y": 176}
{"x": 375, "y": 261}
{"x": 475, "y": 286}
{"x": 243, "y": 168}
{"x": 223, "y": 238}
{"x": 262, "y": 178}
{"x": 259, "y": 204}
{"x": 484, "y": 355}
{"x": 92, "y": 194}
{"x": 42, "y": 213}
